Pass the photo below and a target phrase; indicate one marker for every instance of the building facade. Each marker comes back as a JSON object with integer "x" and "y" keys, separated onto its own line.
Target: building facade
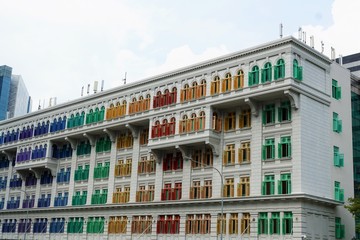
{"x": 14, "y": 97}
{"x": 252, "y": 145}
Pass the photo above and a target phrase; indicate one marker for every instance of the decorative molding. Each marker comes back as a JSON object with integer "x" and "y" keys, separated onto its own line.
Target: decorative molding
{"x": 91, "y": 139}
{"x": 158, "y": 154}
{"x": 214, "y": 147}
{"x": 111, "y": 134}
{"x": 185, "y": 151}
{"x": 253, "y": 106}
{"x": 72, "y": 142}
{"x": 134, "y": 130}
{"x": 294, "y": 99}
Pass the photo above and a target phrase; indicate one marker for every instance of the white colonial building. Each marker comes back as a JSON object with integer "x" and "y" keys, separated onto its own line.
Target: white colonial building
{"x": 262, "y": 135}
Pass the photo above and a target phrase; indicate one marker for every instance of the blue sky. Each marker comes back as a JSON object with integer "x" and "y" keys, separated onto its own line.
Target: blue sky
{"x": 60, "y": 46}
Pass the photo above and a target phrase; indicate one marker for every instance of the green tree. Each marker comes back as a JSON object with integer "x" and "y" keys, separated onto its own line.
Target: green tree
{"x": 353, "y": 207}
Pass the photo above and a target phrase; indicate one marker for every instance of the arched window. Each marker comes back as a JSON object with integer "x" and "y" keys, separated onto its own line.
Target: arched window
{"x": 173, "y": 95}
{"x": 226, "y": 83}
{"x": 201, "y": 121}
{"x": 202, "y": 88}
{"x": 164, "y": 128}
{"x": 239, "y": 80}
{"x": 266, "y": 73}
{"x": 193, "y": 121}
{"x": 215, "y": 85}
{"x": 96, "y": 115}
{"x": 156, "y": 129}
{"x": 166, "y": 97}
{"x": 185, "y": 93}
{"x": 102, "y": 113}
{"x": 157, "y": 98}
{"x": 279, "y": 69}
{"x": 89, "y": 117}
{"x": 141, "y": 104}
{"x": 254, "y": 76}
{"x": 183, "y": 124}
{"x": 172, "y": 126}
{"x": 123, "y": 108}
{"x": 297, "y": 70}
{"x": 193, "y": 91}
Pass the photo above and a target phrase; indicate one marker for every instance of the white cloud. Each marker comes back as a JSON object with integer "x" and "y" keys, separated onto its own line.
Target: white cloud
{"x": 184, "y": 56}
{"x": 343, "y": 34}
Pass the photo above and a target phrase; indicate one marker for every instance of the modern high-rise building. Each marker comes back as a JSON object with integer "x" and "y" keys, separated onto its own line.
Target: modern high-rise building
{"x": 14, "y": 97}
{"x": 252, "y": 145}
{"x": 5, "y": 80}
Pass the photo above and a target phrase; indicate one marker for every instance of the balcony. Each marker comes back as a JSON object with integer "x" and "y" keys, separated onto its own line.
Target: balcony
{"x": 28, "y": 203}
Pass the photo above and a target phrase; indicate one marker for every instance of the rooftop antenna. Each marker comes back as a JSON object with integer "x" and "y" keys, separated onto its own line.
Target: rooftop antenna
{"x": 322, "y": 47}
{"x": 102, "y": 85}
{"x": 281, "y": 30}
{"x": 312, "y": 41}
{"x": 124, "y": 79}
{"x": 95, "y": 86}
{"x": 39, "y": 107}
{"x": 82, "y": 90}
{"x": 304, "y": 37}
{"x": 332, "y": 53}
{"x": 50, "y": 102}
{"x": 88, "y": 88}
{"x": 300, "y": 33}
{"x": 55, "y": 98}
{"x": 340, "y": 59}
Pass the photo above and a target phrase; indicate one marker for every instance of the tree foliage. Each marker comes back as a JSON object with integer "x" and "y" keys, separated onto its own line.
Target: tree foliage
{"x": 353, "y": 207}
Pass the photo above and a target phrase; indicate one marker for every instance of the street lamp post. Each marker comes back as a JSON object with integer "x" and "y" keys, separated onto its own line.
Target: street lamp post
{"x": 221, "y": 193}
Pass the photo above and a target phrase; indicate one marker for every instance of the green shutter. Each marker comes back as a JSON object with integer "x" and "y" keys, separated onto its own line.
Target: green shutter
{"x": 273, "y": 151}
{"x": 338, "y": 93}
{"x": 279, "y": 150}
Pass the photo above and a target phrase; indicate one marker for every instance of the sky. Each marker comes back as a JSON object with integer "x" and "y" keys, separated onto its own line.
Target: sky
{"x": 60, "y": 46}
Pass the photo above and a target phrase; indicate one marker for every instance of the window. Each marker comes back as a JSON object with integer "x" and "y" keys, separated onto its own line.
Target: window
{"x": 337, "y": 123}
{"x": 275, "y": 223}
{"x": 193, "y": 91}
{"x": 268, "y": 115}
{"x": 268, "y": 150}
{"x": 263, "y": 223}
{"x": 335, "y": 90}
{"x": 233, "y": 223}
{"x": 121, "y": 195}
{"x": 221, "y": 224}
{"x": 297, "y": 70}
{"x": 279, "y": 69}
{"x": 266, "y": 73}
{"x": 202, "y": 88}
{"x": 284, "y": 147}
{"x": 206, "y": 191}
{"x": 339, "y": 192}
{"x": 254, "y": 76}
{"x": 146, "y": 165}
{"x": 338, "y": 157}
{"x": 144, "y": 137}
{"x": 198, "y": 224}
{"x": 244, "y": 187}
{"x": 169, "y": 193}
{"x": 230, "y": 121}
{"x": 141, "y": 225}
{"x": 201, "y": 121}
{"x": 117, "y": 224}
{"x": 245, "y": 119}
{"x": 125, "y": 140}
{"x": 245, "y": 223}
{"x": 168, "y": 224}
{"x": 284, "y": 112}
{"x": 287, "y": 223}
{"x": 268, "y": 185}
{"x": 244, "y": 153}
{"x": 195, "y": 191}
{"x": 185, "y": 93}
{"x": 339, "y": 229}
{"x": 229, "y": 187}
{"x": 284, "y": 184}
{"x": 215, "y": 86}
{"x": 239, "y": 80}
{"x": 226, "y": 83}
{"x": 122, "y": 168}
{"x": 173, "y": 163}
{"x": 229, "y": 154}
{"x": 216, "y": 122}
